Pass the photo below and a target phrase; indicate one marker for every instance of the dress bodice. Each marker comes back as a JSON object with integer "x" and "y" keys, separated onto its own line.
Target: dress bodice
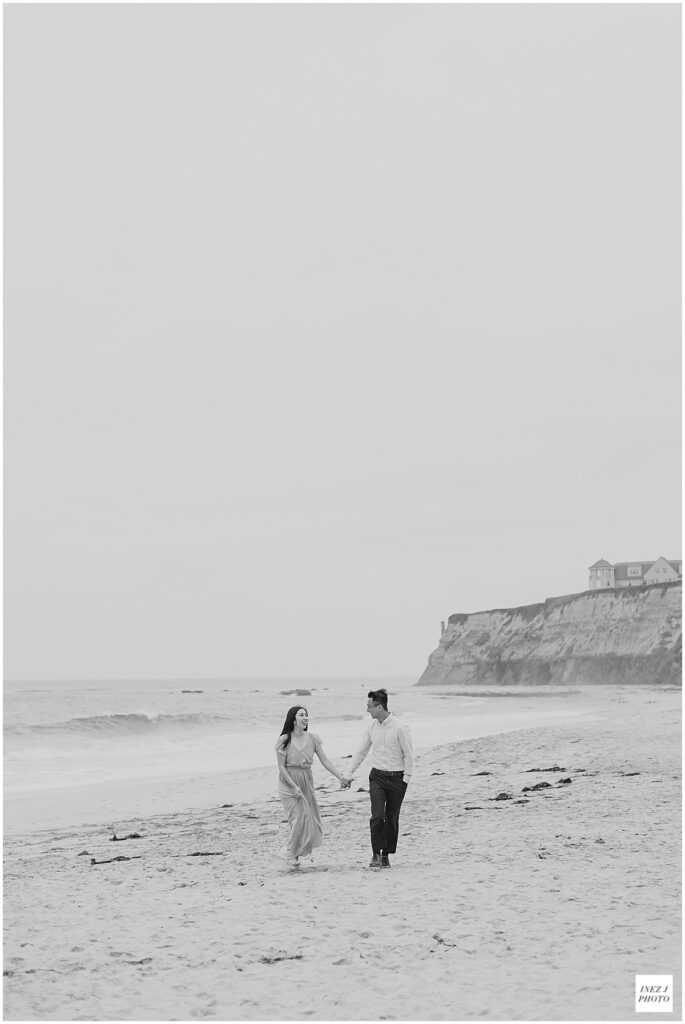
{"x": 300, "y": 758}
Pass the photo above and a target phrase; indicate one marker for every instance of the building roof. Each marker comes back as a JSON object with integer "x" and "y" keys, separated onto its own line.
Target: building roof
{"x": 621, "y": 568}
{"x": 637, "y": 561}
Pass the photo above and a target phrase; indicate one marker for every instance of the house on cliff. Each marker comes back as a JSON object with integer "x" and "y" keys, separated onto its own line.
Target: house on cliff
{"x": 634, "y": 574}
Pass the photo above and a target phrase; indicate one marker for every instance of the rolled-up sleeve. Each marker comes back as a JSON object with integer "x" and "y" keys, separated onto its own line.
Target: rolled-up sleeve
{"x": 362, "y": 751}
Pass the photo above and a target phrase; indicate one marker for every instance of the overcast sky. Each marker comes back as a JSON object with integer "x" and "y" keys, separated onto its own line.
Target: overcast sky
{"x": 323, "y": 322}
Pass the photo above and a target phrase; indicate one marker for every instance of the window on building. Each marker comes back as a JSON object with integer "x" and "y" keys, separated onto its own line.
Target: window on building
{"x": 634, "y": 570}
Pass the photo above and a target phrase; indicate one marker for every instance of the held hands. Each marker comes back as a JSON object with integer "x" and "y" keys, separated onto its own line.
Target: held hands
{"x": 345, "y": 783}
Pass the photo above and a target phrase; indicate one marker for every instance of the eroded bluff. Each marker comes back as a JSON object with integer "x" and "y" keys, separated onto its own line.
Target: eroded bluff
{"x": 631, "y": 635}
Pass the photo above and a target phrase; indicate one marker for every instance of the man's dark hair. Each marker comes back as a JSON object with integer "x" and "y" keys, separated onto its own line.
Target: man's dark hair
{"x": 379, "y": 697}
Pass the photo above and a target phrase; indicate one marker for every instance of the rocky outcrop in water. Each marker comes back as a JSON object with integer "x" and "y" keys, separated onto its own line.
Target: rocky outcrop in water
{"x": 629, "y": 635}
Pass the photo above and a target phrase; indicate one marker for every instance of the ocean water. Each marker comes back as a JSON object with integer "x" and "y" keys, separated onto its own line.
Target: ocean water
{"x": 61, "y": 734}
{"x": 118, "y": 751}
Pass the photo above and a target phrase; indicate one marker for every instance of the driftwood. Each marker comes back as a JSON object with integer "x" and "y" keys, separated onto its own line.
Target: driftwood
{"x": 112, "y": 860}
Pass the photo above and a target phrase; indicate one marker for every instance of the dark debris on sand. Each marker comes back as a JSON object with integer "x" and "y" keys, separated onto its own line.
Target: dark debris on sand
{"x": 112, "y": 860}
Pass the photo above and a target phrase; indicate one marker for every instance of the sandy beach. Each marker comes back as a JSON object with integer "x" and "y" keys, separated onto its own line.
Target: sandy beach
{"x": 501, "y": 904}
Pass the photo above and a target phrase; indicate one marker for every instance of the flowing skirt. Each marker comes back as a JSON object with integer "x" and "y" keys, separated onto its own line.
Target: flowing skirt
{"x": 303, "y": 813}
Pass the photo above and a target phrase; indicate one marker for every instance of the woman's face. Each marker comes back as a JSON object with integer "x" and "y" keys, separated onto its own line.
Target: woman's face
{"x": 302, "y": 719}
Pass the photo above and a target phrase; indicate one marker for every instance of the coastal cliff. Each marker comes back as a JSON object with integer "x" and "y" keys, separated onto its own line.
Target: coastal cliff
{"x": 629, "y": 635}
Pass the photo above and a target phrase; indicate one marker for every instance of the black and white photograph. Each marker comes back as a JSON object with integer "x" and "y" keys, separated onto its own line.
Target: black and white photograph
{"x": 342, "y": 511}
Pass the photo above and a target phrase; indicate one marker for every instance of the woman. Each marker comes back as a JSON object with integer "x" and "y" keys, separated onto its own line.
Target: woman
{"x": 295, "y": 751}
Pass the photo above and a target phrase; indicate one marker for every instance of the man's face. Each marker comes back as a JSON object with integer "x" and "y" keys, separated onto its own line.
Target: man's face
{"x": 373, "y": 709}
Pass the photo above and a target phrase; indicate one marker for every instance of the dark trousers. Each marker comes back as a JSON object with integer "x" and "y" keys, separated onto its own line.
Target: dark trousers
{"x": 386, "y": 790}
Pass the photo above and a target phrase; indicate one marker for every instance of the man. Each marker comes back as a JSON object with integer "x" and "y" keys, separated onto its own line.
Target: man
{"x": 392, "y": 766}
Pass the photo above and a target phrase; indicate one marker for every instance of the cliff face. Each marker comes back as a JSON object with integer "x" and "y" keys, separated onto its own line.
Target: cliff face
{"x": 631, "y": 635}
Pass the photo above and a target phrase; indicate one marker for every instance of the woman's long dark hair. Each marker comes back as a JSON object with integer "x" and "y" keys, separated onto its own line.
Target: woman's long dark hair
{"x": 289, "y": 723}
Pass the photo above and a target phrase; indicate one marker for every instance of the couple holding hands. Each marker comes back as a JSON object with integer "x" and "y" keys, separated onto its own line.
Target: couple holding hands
{"x": 392, "y": 765}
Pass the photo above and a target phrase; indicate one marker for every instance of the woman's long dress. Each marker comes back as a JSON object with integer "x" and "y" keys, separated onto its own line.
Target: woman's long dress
{"x": 303, "y": 812}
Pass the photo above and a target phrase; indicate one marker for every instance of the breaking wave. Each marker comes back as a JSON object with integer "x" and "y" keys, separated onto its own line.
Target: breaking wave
{"x": 139, "y": 723}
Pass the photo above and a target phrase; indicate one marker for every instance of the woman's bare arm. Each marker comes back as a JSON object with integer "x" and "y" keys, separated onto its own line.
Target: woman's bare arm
{"x": 328, "y": 765}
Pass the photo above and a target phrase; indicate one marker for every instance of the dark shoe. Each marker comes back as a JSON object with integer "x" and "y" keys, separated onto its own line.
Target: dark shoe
{"x": 385, "y": 863}
{"x": 375, "y": 862}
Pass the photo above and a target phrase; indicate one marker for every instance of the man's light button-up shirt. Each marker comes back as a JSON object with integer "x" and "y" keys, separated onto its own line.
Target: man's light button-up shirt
{"x": 390, "y": 745}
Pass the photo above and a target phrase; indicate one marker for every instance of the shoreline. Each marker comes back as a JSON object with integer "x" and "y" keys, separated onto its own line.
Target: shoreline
{"x": 117, "y": 801}
{"x": 542, "y": 906}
